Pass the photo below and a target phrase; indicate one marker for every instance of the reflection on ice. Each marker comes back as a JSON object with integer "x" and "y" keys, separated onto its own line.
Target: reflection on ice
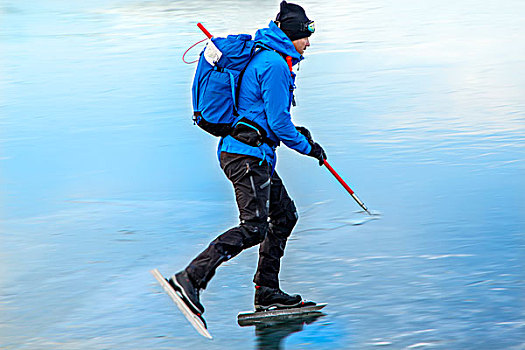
{"x": 270, "y": 335}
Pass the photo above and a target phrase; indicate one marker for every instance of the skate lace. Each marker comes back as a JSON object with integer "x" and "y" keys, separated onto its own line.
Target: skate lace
{"x": 280, "y": 292}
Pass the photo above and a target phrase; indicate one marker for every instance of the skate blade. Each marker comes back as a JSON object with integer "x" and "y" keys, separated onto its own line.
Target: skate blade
{"x": 194, "y": 320}
{"x": 250, "y": 317}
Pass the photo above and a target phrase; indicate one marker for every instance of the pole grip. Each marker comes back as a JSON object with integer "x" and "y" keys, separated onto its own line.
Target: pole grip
{"x": 204, "y": 30}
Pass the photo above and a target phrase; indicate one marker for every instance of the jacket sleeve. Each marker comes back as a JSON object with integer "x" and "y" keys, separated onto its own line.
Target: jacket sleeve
{"x": 275, "y": 89}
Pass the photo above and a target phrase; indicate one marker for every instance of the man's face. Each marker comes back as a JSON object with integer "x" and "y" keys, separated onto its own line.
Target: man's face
{"x": 301, "y": 44}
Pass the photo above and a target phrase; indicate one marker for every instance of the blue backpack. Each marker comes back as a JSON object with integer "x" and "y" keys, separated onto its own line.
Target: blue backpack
{"x": 219, "y": 73}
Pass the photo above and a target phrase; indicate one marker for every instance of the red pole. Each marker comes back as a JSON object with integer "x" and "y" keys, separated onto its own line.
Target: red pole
{"x": 204, "y": 30}
{"x": 342, "y": 182}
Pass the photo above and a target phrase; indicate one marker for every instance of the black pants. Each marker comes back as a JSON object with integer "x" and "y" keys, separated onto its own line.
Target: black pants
{"x": 267, "y": 217}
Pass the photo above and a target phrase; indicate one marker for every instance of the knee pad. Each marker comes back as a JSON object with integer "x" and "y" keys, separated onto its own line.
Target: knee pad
{"x": 254, "y": 232}
{"x": 284, "y": 224}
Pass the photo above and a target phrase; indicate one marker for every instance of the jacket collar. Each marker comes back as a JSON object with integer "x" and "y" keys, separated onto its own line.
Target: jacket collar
{"x": 274, "y": 38}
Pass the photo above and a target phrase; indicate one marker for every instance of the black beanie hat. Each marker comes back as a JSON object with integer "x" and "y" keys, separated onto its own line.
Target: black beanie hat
{"x": 293, "y": 21}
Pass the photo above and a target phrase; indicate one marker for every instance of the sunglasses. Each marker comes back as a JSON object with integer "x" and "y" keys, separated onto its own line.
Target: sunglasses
{"x": 302, "y": 27}
{"x": 310, "y": 26}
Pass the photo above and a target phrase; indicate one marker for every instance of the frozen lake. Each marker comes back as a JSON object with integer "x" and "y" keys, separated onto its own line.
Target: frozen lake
{"x": 419, "y": 105}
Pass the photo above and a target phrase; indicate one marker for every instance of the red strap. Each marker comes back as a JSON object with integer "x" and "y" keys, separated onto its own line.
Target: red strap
{"x": 289, "y": 61}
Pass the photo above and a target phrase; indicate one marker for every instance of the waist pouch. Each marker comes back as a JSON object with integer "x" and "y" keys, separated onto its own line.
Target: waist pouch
{"x": 251, "y": 133}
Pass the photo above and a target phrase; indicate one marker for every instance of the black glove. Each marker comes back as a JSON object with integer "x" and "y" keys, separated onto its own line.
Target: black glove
{"x": 304, "y": 131}
{"x": 317, "y": 152}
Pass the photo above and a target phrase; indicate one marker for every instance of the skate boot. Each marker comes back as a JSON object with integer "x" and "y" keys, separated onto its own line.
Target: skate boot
{"x": 273, "y": 298}
{"x": 182, "y": 283}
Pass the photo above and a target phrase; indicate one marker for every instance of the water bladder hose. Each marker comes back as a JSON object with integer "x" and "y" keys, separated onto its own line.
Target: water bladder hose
{"x": 209, "y": 36}
{"x": 191, "y": 47}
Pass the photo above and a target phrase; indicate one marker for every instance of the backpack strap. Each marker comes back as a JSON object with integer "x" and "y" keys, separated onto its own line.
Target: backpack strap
{"x": 255, "y": 50}
{"x": 232, "y": 84}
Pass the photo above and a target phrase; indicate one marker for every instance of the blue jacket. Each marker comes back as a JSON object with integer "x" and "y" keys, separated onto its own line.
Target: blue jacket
{"x": 265, "y": 97}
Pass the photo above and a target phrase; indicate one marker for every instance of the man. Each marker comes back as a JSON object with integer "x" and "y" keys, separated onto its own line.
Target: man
{"x": 267, "y": 214}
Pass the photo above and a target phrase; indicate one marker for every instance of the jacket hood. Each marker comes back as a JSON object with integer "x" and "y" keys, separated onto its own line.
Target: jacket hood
{"x": 275, "y": 39}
